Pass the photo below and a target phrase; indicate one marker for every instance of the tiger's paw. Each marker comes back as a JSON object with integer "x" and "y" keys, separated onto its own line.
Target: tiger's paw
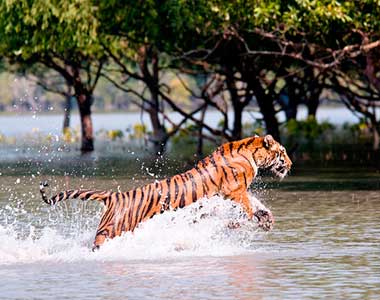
{"x": 95, "y": 248}
{"x": 233, "y": 225}
{"x": 264, "y": 219}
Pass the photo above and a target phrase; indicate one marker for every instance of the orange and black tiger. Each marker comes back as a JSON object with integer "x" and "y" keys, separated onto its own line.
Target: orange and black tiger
{"x": 228, "y": 171}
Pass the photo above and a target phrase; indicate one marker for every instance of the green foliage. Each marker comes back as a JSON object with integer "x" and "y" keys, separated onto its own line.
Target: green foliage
{"x": 253, "y": 128}
{"x": 139, "y": 131}
{"x": 186, "y": 136}
{"x": 29, "y": 28}
{"x": 361, "y": 131}
{"x": 308, "y": 129}
{"x": 77, "y": 30}
{"x": 70, "y": 135}
{"x": 115, "y": 134}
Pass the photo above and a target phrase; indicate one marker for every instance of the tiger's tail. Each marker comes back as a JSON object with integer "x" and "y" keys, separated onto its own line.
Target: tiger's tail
{"x": 72, "y": 194}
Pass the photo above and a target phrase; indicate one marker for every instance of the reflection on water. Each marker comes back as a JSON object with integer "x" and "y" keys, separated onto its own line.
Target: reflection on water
{"x": 325, "y": 245}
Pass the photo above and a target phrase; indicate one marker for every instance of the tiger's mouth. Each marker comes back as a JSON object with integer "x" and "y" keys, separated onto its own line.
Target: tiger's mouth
{"x": 280, "y": 171}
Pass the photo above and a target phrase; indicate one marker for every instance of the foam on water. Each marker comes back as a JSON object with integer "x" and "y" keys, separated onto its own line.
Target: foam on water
{"x": 192, "y": 231}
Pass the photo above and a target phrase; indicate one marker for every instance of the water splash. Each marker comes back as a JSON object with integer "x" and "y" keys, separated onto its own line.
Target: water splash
{"x": 198, "y": 230}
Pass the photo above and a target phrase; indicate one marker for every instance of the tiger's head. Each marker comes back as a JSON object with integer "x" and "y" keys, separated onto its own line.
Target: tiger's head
{"x": 272, "y": 155}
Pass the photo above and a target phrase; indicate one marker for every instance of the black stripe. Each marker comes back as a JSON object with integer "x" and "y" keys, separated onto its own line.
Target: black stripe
{"x": 245, "y": 179}
{"x": 231, "y": 147}
{"x": 224, "y": 173}
{"x": 88, "y": 195}
{"x": 182, "y": 202}
{"x": 193, "y": 188}
{"x": 166, "y": 203}
{"x": 158, "y": 189}
{"x": 69, "y": 193}
{"x": 212, "y": 160}
{"x": 148, "y": 201}
{"x": 181, "y": 194}
{"x": 225, "y": 160}
{"x": 117, "y": 205}
{"x": 246, "y": 159}
{"x": 108, "y": 214}
{"x": 250, "y": 141}
{"x": 151, "y": 199}
{"x": 209, "y": 175}
{"x": 107, "y": 200}
{"x": 60, "y": 196}
{"x": 204, "y": 185}
{"x": 139, "y": 200}
{"x": 139, "y": 207}
{"x": 132, "y": 204}
{"x": 233, "y": 171}
{"x": 124, "y": 198}
{"x": 176, "y": 188}
{"x": 167, "y": 199}
{"x": 253, "y": 155}
{"x": 241, "y": 146}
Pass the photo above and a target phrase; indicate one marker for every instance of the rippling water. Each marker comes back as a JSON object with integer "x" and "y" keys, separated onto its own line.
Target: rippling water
{"x": 325, "y": 244}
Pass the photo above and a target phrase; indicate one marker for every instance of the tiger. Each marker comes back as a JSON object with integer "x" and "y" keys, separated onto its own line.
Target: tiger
{"x": 227, "y": 172}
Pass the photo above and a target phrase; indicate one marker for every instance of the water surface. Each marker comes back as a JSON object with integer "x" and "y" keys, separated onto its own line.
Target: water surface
{"x": 325, "y": 243}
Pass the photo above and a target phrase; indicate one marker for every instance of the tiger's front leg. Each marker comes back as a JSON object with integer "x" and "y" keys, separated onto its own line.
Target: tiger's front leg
{"x": 254, "y": 209}
{"x": 262, "y": 214}
{"x": 241, "y": 196}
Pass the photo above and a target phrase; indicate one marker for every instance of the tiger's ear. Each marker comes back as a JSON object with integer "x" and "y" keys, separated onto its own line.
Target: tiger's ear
{"x": 268, "y": 141}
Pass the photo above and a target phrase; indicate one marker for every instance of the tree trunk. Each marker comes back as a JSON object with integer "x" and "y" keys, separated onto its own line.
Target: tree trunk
{"x": 200, "y": 137}
{"x": 159, "y": 135}
{"x": 376, "y": 138}
{"x": 313, "y": 103}
{"x": 315, "y": 88}
{"x": 67, "y": 114}
{"x": 84, "y": 104}
{"x": 267, "y": 109}
{"x": 236, "y": 104}
{"x": 237, "y": 126}
{"x": 84, "y": 99}
{"x": 266, "y": 106}
{"x": 291, "y": 108}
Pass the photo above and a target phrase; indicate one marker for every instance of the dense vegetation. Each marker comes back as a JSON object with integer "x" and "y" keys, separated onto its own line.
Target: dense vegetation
{"x": 191, "y": 56}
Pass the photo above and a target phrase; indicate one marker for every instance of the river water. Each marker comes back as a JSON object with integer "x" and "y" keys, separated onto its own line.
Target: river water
{"x": 325, "y": 243}
{"x": 51, "y": 123}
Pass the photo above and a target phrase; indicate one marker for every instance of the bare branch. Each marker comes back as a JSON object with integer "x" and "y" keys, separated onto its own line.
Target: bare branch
{"x": 123, "y": 67}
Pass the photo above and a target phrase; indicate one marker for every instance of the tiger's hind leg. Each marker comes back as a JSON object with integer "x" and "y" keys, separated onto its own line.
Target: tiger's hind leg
{"x": 104, "y": 232}
{"x": 107, "y": 228}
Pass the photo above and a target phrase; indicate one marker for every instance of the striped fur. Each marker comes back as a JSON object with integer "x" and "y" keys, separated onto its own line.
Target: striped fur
{"x": 228, "y": 172}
